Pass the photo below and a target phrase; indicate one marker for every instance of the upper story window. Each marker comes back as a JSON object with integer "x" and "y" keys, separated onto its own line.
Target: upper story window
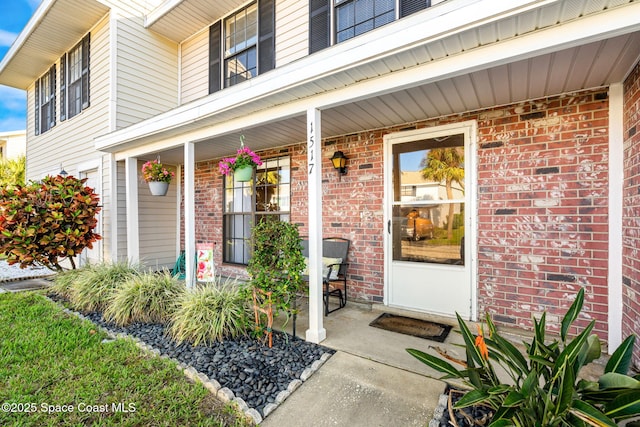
{"x": 334, "y": 21}
{"x": 242, "y": 45}
{"x": 74, "y": 80}
{"x": 266, "y": 198}
{"x": 45, "y": 102}
{"x": 355, "y": 17}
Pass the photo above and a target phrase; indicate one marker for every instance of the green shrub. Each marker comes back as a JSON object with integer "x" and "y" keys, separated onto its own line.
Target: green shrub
{"x": 94, "y": 286}
{"x": 64, "y": 282}
{"x": 277, "y": 263}
{"x": 210, "y": 313}
{"x": 545, "y": 388}
{"x": 147, "y": 298}
{"x": 45, "y": 222}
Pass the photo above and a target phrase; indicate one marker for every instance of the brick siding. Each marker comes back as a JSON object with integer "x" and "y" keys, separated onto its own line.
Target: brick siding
{"x": 631, "y": 215}
{"x": 542, "y": 206}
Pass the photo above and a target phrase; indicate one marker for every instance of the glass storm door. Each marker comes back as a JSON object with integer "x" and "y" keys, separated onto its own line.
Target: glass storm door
{"x": 427, "y": 213}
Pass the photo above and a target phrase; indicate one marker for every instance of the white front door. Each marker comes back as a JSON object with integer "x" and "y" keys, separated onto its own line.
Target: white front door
{"x": 92, "y": 256}
{"x": 428, "y": 214}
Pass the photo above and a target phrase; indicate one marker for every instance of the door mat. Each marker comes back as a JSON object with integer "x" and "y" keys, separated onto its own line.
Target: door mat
{"x": 416, "y": 327}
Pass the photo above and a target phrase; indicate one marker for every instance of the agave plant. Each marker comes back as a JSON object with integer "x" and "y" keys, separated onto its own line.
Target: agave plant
{"x": 544, "y": 387}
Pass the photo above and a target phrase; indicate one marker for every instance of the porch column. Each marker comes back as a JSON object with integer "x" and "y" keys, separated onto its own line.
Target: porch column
{"x": 131, "y": 195}
{"x": 316, "y": 332}
{"x": 113, "y": 206}
{"x": 189, "y": 214}
{"x": 616, "y": 184}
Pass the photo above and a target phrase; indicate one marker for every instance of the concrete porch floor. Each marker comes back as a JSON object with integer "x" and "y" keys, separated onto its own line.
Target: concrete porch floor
{"x": 371, "y": 380}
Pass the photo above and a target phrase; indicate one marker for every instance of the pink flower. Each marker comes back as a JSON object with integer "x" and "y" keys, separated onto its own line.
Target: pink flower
{"x": 244, "y": 157}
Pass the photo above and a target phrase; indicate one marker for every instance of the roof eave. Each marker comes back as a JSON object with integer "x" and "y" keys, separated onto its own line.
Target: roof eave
{"x": 36, "y": 47}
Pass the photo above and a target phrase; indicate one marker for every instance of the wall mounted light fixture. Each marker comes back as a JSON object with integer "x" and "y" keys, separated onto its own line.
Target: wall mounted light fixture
{"x": 339, "y": 162}
{"x": 63, "y": 173}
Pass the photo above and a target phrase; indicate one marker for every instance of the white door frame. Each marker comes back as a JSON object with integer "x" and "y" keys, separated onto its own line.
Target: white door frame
{"x": 83, "y": 168}
{"x": 470, "y": 129}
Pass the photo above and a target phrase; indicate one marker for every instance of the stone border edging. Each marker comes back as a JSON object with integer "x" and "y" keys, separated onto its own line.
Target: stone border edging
{"x": 224, "y": 394}
{"x": 438, "y": 412}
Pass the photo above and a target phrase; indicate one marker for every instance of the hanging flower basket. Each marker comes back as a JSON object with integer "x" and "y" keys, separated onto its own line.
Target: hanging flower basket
{"x": 243, "y": 174}
{"x": 241, "y": 165}
{"x": 158, "y": 188}
{"x": 157, "y": 176}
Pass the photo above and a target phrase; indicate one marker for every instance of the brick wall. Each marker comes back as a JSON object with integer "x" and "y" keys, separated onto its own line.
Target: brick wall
{"x": 542, "y": 201}
{"x": 631, "y": 212}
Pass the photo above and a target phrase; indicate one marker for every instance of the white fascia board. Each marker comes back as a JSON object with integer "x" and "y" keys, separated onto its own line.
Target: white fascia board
{"x": 159, "y": 12}
{"x": 394, "y": 38}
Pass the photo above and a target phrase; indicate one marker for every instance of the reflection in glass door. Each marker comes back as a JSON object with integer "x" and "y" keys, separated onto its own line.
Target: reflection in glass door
{"x": 429, "y": 200}
{"x": 427, "y": 220}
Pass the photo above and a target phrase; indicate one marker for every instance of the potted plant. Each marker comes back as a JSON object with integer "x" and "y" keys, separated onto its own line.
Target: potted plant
{"x": 542, "y": 384}
{"x": 241, "y": 165}
{"x": 157, "y": 176}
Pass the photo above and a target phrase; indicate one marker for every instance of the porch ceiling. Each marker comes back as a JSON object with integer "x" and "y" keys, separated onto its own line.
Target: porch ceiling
{"x": 590, "y": 65}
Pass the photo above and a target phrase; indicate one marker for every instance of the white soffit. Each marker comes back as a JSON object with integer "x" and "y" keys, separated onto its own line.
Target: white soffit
{"x": 55, "y": 27}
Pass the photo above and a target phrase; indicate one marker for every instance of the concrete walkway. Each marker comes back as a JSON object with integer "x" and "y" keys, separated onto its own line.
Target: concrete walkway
{"x": 352, "y": 391}
{"x": 370, "y": 381}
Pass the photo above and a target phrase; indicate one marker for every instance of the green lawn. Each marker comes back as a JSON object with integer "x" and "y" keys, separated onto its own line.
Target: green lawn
{"x": 55, "y": 370}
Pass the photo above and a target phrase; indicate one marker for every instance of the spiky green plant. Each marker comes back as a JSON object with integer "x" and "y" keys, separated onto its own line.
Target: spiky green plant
{"x": 147, "y": 298}
{"x": 63, "y": 282}
{"x": 94, "y": 286}
{"x": 210, "y": 313}
{"x": 545, "y": 388}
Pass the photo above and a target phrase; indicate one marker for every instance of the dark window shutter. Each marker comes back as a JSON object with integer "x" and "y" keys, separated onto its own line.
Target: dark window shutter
{"x": 408, "y": 7}
{"x": 266, "y": 35}
{"x": 215, "y": 55}
{"x": 37, "y": 109}
{"x": 52, "y": 97}
{"x": 63, "y": 87}
{"x": 85, "y": 71}
{"x": 319, "y": 25}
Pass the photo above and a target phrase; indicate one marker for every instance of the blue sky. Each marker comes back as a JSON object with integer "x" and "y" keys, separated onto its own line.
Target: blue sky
{"x": 13, "y": 102}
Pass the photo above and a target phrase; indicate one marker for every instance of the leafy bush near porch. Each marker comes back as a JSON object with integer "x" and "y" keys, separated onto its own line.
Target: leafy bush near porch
{"x": 277, "y": 263}
{"x": 545, "y": 389}
{"x": 45, "y": 222}
{"x": 146, "y": 298}
{"x": 209, "y": 313}
{"x": 95, "y": 285}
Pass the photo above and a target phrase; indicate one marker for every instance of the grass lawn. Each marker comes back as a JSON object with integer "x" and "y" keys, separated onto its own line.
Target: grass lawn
{"x": 55, "y": 370}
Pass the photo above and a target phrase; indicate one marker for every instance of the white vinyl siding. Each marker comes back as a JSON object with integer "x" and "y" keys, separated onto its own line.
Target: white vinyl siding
{"x": 146, "y": 70}
{"x": 70, "y": 142}
{"x": 122, "y": 212}
{"x": 195, "y": 70}
{"x": 292, "y": 31}
{"x": 157, "y": 218}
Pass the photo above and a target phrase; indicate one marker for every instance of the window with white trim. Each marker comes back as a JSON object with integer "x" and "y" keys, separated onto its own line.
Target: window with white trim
{"x": 242, "y": 45}
{"x": 334, "y": 21}
{"x": 74, "y": 80}
{"x": 45, "y": 101}
{"x": 267, "y": 196}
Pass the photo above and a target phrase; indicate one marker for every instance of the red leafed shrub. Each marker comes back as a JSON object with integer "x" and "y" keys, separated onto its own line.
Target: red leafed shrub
{"x": 45, "y": 222}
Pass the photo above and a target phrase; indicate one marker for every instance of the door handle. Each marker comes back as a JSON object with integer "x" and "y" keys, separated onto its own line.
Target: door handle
{"x": 389, "y": 226}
